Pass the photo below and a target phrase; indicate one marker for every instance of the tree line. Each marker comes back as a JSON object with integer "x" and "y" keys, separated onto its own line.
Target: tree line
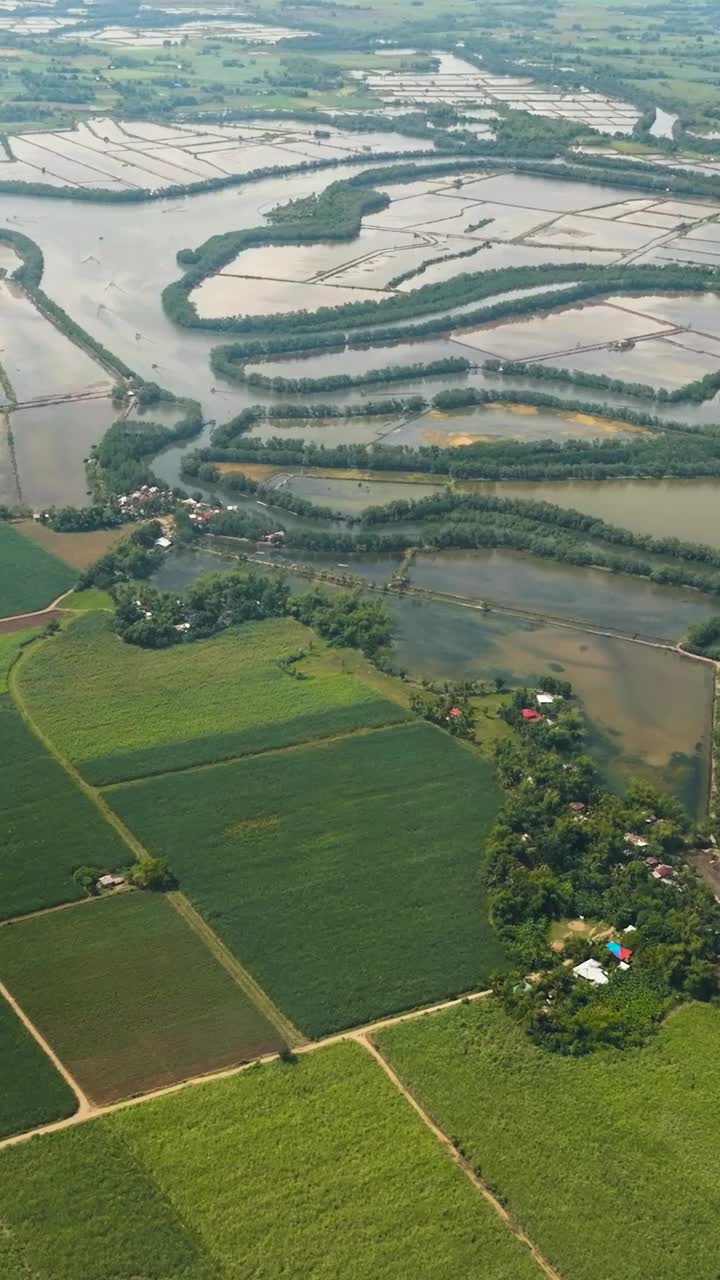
{"x": 700, "y": 389}
{"x": 676, "y": 451}
{"x": 157, "y": 619}
{"x": 227, "y": 368}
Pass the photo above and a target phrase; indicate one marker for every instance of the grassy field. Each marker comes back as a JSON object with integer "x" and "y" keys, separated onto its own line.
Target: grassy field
{"x": 90, "y": 598}
{"x": 10, "y": 644}
{"x": 128, "y": 996}
{"x": 318, "y": 1169}
{"x": 49, "y": 827}
{"x": 30, "y": 576}
{"x": 76, "y": 549}
{"x": 610, "y": 1162}
{"x": 148, "y": 711}
{"x": 345, "y": 875}
{"x": 32, "y": 1092}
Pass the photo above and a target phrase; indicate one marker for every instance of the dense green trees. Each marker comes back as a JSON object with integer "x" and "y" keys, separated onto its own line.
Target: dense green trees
{"x": 673, "y": 449}
{"x": 559, "y": 850}
{"x": 347, "y": 620}
{"x": 156, "y": 619}
{"x": 701, "y": 389}
{"x": 118, "y": 463}
{"x": 224, "y": 365}
{"x": 134, "y": 557}
{"x": 704, "y": 638}
{"x": 82, "y": 519}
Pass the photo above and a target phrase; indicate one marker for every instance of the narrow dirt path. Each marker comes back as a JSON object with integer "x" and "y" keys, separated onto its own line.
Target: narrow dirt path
{"x": 252, "y": 989}
{"x": 444, "y": 1141}
{"x": 86, "y": 1108}
{"x": 37, "y": 615}
{"x": 360, "y": 1035}
{"x": 94, "y": 1111}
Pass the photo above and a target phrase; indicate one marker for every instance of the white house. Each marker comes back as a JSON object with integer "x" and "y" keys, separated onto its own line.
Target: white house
{"x": 544, "y": 699}
{"x": 591, "y": 971}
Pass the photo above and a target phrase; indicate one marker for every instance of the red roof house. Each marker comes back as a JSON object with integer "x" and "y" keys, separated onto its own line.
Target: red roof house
{"x": 527, "y": 713}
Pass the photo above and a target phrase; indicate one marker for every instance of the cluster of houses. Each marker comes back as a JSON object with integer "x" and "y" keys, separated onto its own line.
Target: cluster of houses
{"x": 200, "y": 512}
{"x": 592, "y": 970}
{"x": 148, "y": 500}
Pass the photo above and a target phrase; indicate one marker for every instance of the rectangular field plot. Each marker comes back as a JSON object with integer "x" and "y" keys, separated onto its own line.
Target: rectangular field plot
{"x": 32, "y": 1092}
{"x": 690, "y": 311}
{"x": 594, "y": 233}
{"x": 346, "y": 875}
{"x": 148, "y": 711}
{"x": 319, "y": 1169}
{"x": 225, "y": 295}
{"x": 30, "y": 576}
{"x": 300, "y": 262}
{"x": 560, "y": 332}
{"x": 128, "y": 997}
{"x": 48, "y": 827}
{"x": 548, "y": 1132}
{"x": 659, "y": 362}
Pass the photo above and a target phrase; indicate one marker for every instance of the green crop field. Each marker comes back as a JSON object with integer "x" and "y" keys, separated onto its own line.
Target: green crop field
{"x": 30, "y": 576}
{"x": 11, "y": 643}
{"x": 149, "y": 711}
{"x": 610, "y": 1162}
{"x": 128, "y": 996}
{"x": 345, "y": 875}
{"x": 315, "y": 1169}
{"x": 32, "y": 1091}
{"x": 48, "y": 827}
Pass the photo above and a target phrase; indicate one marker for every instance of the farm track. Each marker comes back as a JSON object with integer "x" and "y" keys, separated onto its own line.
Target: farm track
{"x": 85, "y": 1107}
{"x": 290, "y": 1033}
{"x": 444, "y": 1141}
{"x": 91, "y": 1110}
{"x": 217, "y": 948}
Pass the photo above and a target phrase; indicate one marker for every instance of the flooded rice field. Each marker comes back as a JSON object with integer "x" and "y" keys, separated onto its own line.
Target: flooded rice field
{"x": 38, "y": 360}
{"x": 592, "y": 596}
{"x": 350, "y": 497}
{"x": 151, "y": 38}
{"x": 225, "y": 295}
{"x": 458, "y": 82}
{"x": 505, "y": 422}
{"x": 108, "y": 154}
{"x": 50, "y": 445}
{"x": 685, "y": 509}
{"x": 649, "y": 710}
{"x": 557, "y": 333}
